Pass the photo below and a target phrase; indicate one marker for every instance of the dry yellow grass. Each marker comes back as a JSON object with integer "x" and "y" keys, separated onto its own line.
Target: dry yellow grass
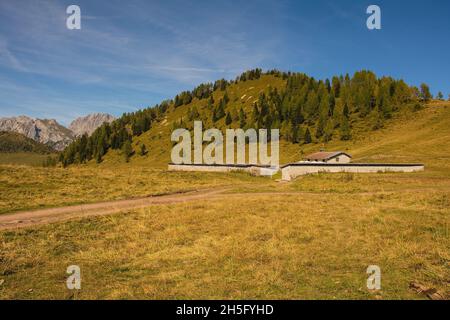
{"x": 24, "y": 187}
{"x": 315, "y": 244}
{"x": 304, "y": 246}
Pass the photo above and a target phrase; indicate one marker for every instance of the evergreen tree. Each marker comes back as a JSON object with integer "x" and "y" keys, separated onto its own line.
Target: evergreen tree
{"x": 226, "y": 99}
{"x": 312, "y": 104}
{"x": 242, "y": 119}
{"x": 228, "y": 119}
{"x": 127, "y": 150}
{"x": 329, "y": 128}
{"x": 220, "y": 112}
{"x": 440, "y": 96}
{"x": 255, "y": 117}
{"x": 307, "y": 139}
{"x": 320, "y": 127}
{"x": 425, "y": 93}
{"x": 346, "y": 111}
{"x": 98, "y": 158}
{"x": 376, "y": 119}
{"x": 143, "y": 150}
{"x": 345, "y": 129}
{"x": 295, "y": 138}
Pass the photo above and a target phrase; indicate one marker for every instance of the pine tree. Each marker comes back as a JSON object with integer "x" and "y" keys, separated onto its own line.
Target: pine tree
{"x": 143, "y": 150}
{"x": 127, "y": 150}
{"x": 226, "y": 99}
{"x": 312, "y": 104}
{"x": 307, "y": 139}
{"x": 329, "y": 128}
{"x": 242, "y": 119}
{"x": 320, "y": 127}
{"x": 295, "y": 138}
{"x": 210, "y": 102}
{"x": 345, "y": 129}
{"x": 440, "y": 96}
{"x": 255, "y": 117}
{"x": 98, "y": 158}
{"x": 376, "y": 119}
{"x": 228, "y": 119}
{"x": 425, "y": 93}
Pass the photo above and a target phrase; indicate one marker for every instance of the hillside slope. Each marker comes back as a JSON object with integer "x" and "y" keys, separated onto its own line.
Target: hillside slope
{"x": 16, "y": 142}
{"x": 157, "y": 139}
{"x": 409, "y": 137}
{"x": 310, "y": 114}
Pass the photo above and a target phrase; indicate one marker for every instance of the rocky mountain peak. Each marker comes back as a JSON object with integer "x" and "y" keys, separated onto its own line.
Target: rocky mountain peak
{"x": 89, "y": 123}
{"x": 50, "y": 132}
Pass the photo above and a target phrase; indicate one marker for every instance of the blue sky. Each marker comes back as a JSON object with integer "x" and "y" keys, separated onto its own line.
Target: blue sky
{"x": 134, "y": 54}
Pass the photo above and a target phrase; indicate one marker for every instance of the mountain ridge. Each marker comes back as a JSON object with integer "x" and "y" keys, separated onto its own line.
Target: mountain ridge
{"x": 88, "y": 124}
{"x": 51, "y": 133}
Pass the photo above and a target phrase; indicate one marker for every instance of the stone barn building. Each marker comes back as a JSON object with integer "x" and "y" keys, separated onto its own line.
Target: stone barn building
{"x": 329, "y": 157}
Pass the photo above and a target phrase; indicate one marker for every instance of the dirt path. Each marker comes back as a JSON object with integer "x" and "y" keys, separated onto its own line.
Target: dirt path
{"x": 29, "y": 218}
{"x": 44, "y": 216}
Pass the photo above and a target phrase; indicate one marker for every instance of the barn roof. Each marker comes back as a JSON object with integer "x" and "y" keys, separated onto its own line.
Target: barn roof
{"x": 325, "y": 155}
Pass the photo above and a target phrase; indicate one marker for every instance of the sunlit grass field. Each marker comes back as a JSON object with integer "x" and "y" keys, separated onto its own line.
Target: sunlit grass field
{"x": 304, "y": 246}
{"x": 22, "y": 158}
{"x": 307, "y": 239}
{"x": 25, "y": 187}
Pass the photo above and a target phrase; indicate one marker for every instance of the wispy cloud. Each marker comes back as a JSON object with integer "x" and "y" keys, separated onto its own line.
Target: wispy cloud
{"x": 146, "y": 50}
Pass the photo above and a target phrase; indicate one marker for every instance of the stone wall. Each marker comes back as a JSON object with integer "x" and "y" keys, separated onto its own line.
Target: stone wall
{"x": 252, "y": 169}
{"x": 292, "y": 171}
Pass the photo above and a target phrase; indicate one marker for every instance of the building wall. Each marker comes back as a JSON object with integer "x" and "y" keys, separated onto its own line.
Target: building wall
{"x": 254, "y": 170}
{"x": 290, "y": 172}
{"x": 342, "y": 159}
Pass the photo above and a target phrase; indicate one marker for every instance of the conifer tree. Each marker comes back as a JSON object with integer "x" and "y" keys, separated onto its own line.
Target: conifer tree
{"x": 255, "y": 117}
{"x": 127, "y": 150}
{"x": 228, "y": 119}
{"x": 242, "y": 119}
{"x": 307, "y": 139}
{"x": 425, "y": 93}
{"x": 220, "y": 113}
{"x": 345, "y": 129}
{"x": 328, "y": 132}
{"x": 320, "y": 127}
{"x": 143, "y": 150}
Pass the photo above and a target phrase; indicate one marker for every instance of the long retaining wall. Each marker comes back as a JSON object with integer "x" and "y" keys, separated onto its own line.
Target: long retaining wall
{"x": 291, "y": 171}
{"x": 252, "y": 169}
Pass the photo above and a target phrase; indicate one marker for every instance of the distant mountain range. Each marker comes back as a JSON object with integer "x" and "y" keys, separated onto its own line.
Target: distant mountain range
{"x": 50, "y": 132}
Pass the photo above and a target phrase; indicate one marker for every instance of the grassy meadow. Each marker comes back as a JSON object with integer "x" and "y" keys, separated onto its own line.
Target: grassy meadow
{"x": 22, "y": 158}
{"x": 26, "y": 187}
{"x": 306, "y": 239}
{"x": 306, "y": 246}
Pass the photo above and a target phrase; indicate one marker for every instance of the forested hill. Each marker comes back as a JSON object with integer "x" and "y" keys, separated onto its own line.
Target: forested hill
{"x": 305, "y": 110}
{"x": 15, "y": 142}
